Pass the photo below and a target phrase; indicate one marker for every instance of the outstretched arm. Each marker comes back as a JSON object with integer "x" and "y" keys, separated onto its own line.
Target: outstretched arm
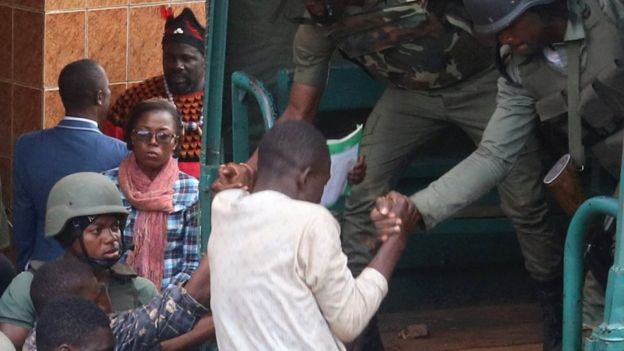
{"x": 504, "y": 139}
{"x": 348, "y": 303}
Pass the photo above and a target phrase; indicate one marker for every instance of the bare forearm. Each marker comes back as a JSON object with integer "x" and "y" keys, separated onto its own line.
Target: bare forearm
{"x": 199, "y": 284}
{"x": 388, "y": 255}
{"x": 303, "y": 104}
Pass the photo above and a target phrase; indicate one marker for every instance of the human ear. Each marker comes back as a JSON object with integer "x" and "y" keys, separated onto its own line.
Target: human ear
{"x": 99, "y": 97}
{"x": 304, "y": 177}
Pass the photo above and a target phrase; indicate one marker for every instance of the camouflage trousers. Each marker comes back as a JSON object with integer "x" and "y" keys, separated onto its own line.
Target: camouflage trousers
{"x": 403, "y": 121}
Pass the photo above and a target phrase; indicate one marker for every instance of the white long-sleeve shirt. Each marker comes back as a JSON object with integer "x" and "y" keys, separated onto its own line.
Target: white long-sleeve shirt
{"x": 279, "y": 278}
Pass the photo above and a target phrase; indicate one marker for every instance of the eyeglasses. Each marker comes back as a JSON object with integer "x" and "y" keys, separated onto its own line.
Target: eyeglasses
{"x": 162, "y": 137}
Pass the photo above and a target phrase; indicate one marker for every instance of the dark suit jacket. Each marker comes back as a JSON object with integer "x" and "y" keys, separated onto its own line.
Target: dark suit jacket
{"x": 41, "y": 159}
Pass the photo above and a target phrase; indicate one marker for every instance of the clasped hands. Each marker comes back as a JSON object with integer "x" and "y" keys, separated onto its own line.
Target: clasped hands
{"x": 394, "y": 215}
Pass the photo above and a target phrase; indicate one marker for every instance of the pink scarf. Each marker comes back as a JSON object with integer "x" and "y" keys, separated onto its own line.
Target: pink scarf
{"x": 154, "y": 201}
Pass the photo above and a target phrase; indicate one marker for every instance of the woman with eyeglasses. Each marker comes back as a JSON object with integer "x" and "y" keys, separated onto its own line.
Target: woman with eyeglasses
{"x": 163, "y": 226}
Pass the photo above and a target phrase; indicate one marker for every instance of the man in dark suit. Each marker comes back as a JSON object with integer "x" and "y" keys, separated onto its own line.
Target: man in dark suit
{"x": 74, "y": 145}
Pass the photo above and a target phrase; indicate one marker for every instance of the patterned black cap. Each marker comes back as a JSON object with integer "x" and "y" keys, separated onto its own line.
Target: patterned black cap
{"x": 183, "y": 29}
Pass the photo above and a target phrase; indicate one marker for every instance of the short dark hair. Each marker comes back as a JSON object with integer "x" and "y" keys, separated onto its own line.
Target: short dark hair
{"x": 67, "y": 276}
{"x": 79, "y": 83}
{"x": 292, "y": 144}
{"x": 154, "y": 104}
{"x": 69, "y": 320}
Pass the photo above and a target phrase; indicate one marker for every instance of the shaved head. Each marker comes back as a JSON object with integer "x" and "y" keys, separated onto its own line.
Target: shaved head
{"x": 79, "y": 83}
{"x": 293, "y": 159}
{"x": 292, "y": 144}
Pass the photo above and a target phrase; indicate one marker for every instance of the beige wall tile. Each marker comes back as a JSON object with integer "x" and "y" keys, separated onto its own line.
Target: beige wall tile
{"x": 27, "y": 110}
{"x": 30, "y": 4}
{"x": 199, "y": 9}
{"x": 148, "y": 1}
{"x": 116, "y": 91}
{"x": 5, "y": 176}
{"x": 6, "y": 42}
{"x": 105, "y": 3}
{"x": 6, "y": 95}
{"x": 107, "y": 40}
{"x": 52, "y": 5}
{"x": 28, "y": 47}
{"x": 65, "y": 42}
{"x": 53, "y": 109}
{"x": 144, "y": 45}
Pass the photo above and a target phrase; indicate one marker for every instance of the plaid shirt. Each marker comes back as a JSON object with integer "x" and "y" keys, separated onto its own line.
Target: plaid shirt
{"x": 165, "y": 317}
{"x": 183, "y": 229}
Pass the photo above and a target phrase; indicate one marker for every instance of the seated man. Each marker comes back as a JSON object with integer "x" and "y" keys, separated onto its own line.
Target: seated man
{"x": 279, "y": 277}
{"x": 182, "y": 84}
{"x": 84, "y": 214}
{"x": 72, "y": 323}
{"x": 145, "y": 328}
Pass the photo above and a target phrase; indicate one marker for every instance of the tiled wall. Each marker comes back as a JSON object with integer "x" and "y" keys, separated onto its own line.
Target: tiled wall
{"x": 39, "y": 37}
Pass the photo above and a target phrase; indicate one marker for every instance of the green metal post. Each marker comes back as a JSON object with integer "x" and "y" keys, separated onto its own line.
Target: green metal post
{"x": 573, "y": 266}
{"x": 216, "y": 35}
{"x": 243, "y": 85}
{"x": 609, "y": 336}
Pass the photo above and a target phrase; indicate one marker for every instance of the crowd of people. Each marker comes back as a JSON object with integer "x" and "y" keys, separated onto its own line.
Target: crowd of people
{"x": 107, "y": 227}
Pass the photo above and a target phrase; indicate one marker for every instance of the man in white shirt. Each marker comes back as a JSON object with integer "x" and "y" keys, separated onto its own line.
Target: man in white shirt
{"x": 279, "y": 278}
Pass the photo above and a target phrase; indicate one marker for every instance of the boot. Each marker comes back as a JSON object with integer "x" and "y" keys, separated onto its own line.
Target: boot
{"x": 549, "y": 294}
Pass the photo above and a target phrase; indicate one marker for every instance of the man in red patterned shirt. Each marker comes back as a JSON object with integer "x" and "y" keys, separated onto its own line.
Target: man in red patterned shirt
{"x": 182, "y": 84}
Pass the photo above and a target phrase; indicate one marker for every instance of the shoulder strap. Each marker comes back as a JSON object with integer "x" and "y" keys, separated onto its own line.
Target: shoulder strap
{"x": 575, "y": 142}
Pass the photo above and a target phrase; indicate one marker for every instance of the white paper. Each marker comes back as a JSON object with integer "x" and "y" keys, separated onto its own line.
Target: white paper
{"x": 341, "y": 163}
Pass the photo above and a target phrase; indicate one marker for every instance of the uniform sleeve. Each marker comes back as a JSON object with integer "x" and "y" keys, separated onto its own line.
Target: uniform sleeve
{"x": 24, "y": 215}
{"x": 146, "y": 290}
{"x": 165, "y": 317}
{"x": 312, "y": 50}
{"x": 190, "y": 248}
{"x": 16, "y": 307}
{"x": 503, "y": 140}
{"x": 347, "y": 304}
{"x": 614, "y": 9}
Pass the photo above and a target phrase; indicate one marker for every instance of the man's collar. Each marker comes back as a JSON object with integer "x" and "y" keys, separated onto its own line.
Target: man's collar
{"x": 575, "y": 29}
{"x": 81, "y": 119}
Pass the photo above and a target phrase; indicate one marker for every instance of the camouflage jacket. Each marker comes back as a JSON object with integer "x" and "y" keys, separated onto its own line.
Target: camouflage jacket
{"x": 399, "y": 41}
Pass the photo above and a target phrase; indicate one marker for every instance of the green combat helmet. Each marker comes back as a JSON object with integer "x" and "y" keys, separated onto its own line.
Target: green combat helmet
{"x": 74, "y": 202}
{"x": 491, "y": 16}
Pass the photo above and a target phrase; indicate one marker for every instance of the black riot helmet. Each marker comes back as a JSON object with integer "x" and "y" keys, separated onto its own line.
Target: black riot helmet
{"x": 489, "y": 17}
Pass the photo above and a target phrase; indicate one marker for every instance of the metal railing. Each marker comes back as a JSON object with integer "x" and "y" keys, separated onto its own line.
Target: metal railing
{"x": 609, "y": 335}
{"x": 243, "y": 86}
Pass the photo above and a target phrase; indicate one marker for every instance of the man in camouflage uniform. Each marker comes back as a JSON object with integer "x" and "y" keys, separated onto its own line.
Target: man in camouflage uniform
{"x": 437, "y": 74}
